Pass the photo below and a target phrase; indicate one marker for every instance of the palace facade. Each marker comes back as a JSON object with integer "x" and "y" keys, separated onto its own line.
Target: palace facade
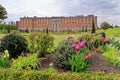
{"x": 57, "y": 24}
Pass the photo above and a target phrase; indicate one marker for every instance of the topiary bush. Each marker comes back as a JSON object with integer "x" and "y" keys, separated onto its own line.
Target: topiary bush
{"x": 40, "y": 43}
{"x": 14, "y": 43}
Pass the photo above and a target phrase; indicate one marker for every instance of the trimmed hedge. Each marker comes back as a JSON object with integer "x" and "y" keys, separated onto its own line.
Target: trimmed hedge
{"x": 10, "y": 74}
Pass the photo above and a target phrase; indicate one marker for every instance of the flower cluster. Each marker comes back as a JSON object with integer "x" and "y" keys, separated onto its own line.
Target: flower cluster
{"x": 77, "y": 45}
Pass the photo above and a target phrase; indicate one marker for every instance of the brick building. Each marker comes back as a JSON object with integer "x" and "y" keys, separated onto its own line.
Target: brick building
{"x": 57, "y": 24}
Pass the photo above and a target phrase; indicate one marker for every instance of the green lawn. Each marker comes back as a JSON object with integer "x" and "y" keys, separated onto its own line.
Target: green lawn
{"x": 61, "y": 37}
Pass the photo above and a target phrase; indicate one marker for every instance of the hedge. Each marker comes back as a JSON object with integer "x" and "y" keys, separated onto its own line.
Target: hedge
{"x": 6, "y": 26}
{"x": 10, "y": 74}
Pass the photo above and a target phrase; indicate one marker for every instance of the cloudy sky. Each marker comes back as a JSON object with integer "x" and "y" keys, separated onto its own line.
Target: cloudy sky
{"x": 106, "y": 10}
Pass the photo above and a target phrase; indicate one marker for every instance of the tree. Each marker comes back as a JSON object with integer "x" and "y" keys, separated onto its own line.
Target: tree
{"x": 105, "y": 25}
{"x": 3, "y": 13}
{"x": 116, "y": 26}
{"x": 93, "y": 27}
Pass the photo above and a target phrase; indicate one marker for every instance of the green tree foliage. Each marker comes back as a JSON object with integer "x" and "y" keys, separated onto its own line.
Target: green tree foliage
{"x": 3, "y": 13}
{"x": 105, "y": 25}
{"x": 93, "y": 27}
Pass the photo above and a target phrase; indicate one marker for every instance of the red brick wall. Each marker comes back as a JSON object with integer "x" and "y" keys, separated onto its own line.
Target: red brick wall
{"x": 57, "y": 23}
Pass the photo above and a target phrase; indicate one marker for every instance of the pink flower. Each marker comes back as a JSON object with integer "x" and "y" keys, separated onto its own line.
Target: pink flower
{"x": 101, "y": 35}
{"x": 73, "y": 45}
{"x": 82, "y": 44}
{"x": 77, "y": 48}
{"x": 70, "y": 37}
{"x": 76, "y": 41}
{"x": 83, "y": 41}
{"x": 105, "y": 40}
{"x": 88, "y": 56}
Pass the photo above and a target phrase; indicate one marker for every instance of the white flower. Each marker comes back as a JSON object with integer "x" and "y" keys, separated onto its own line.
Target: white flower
{"x": 110, "y": 44}
{"x": 51, "y": 64}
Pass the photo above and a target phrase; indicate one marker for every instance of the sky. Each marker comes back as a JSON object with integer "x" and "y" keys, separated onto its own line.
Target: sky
{"x": 105, "y": 10}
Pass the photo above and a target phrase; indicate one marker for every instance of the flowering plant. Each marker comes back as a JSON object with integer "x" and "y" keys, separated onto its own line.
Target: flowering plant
{"x": 81, "y": 59}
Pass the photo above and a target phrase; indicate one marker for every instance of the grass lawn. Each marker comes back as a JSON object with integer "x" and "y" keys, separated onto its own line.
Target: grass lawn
{"x": 61, "y": 37}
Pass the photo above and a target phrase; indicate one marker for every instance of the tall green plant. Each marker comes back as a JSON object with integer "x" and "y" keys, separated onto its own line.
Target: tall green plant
{"x": 4, "y": 60}
{"x": 78, "y": 62}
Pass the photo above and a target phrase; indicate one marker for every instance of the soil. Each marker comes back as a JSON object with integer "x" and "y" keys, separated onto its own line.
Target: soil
{"x": 99, "y": 64}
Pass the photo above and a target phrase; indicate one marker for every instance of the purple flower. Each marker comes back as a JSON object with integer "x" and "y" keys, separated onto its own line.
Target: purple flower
{"x": 73, "y": 45}
{"x": 76, "y": 41}
{"x": 77, "y": 48}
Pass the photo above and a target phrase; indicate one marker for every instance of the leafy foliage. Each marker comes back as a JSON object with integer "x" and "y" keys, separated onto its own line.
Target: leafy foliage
{"x": 114, "y": 43}
{"x": 14, "y": 43}
{"x": 31, "y": 62}
{"x": 4, "y": 60}
{"x": 63, "y": 52}
{"x": 12, "y": 74}
{"x": 113, "y": 56}
{"x": 40, "y": 43}
{"x": 93, "y": 40}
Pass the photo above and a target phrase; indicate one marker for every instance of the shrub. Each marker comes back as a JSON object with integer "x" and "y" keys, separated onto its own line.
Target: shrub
{"x": 12, "y": 74}
{"x": 4, "y": 60}
{"x": 14, "y": 43}
{"x": 93, "y": 40}
{"x": 40, "y": 43}
{"x": 63, "y": 52}
{"x": 31, "y": 62}
{"x": 71, "y": 55}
